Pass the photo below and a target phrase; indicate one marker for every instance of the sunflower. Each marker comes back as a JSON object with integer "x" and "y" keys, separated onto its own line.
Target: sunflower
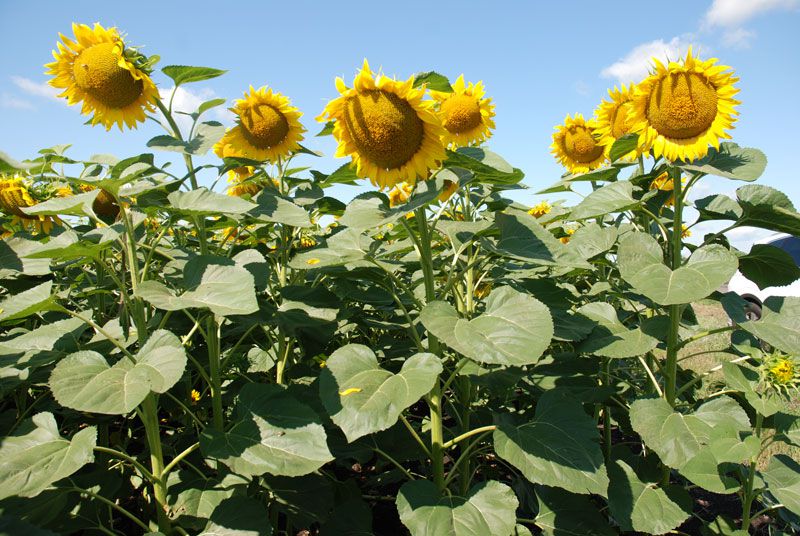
{"x": 104, "y": 204}
{"x": 665, "y": 183}
{"x": 613, "y": 120}
{"x": 14, "y": 196}
{"x": 392, "y": 135}
{"x": 450, "y": 187}
{"x": 565, "y": 239}
{"x": 682, "y": 108}
{"x": 781, "y": 372}
{"x": 540, "y": 209}
{"x": 110, "y": 79}
{"x": 268, "y": 127}
{"x": 400, "y": 194}
{"x": 466, "y": 116}
{"x": 239, "y": 183}
{"x": 575, "y": 145}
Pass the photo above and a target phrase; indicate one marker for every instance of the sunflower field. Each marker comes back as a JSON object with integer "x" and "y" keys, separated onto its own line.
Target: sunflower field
{"x": 431, "y": 358}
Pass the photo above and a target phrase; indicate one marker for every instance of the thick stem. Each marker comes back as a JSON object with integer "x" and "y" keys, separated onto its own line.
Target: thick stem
{"x": 607, "y": 411}
{"x": 215, "y": 375}
{"x": 747, "y": 493}
{"x": 675, "y": 311}
{"x": 149, "y": 415}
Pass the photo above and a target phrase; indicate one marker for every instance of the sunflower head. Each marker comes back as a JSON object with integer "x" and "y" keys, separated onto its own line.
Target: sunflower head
{"x": 482, "y": 290}
{"x": 450, "y": 187}
{"x": 613, "y": 119}
{"x": 466, "y": 116}
{"x": 240, "y": 185}
{"x": 567, "y": 236}
{"x": 104, "y": 204}
{"x": 14, "y": 196}
{"x": 400, "y": 194}
{"x": 267, "y": 127}
{"x": 665, "y": 183}
{"x": 390, "y": 133}
{"x": 111, "y": 81}
{"x": 575, "y": 145}
{"x": 781, "y": 372}
{"x": 683, "y": 107}
{"x": 540, "y": 209}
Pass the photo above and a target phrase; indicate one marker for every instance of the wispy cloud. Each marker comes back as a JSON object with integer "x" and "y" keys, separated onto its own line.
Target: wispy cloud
{"x": 15, "y": 103}
{"x": 37, "y": 89}
{"x": 635, "y": 65}
{"x": 734, "y": 13}
{"x": 738, "y": 38}
{"x": 187, "y": 101}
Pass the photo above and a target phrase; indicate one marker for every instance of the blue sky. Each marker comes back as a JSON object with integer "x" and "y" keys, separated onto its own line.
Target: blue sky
{"x": 538, "y": 60}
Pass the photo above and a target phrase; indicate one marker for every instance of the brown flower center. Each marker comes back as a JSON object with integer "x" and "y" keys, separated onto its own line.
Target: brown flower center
{"x": 682, "y": 105}
{"x": 97, "y": 73}
{"x": 580, "y": 146}
{"x": 264, "y": 126}
{"x": 460, "y": 113}
{"x": 383, "y": 127}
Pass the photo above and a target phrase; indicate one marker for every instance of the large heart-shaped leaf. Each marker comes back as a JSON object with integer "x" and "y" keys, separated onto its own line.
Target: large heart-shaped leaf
{"x": 487, "y": 509}
{"x": 275, "y": 208}
{"x": 74, "y": 205}
{"x": 562, "y": 513}
{"x": 372, "y": 209}
{"x": 769, "y": 266}
{"x": 747, "y": 380}
{"x": 239, "y": 516}
{"x": 362, "y": 398}
{"x": 28, "y": 302}
{"x": 613, "y": 197}
{"x": 515, "y": 328}
{"x": 348, "y": 247}
{"x": 38, "y": 456}
{"x": 273, "y": 432}
{"x": 591, "y": 240}
{"x": 84, "y": 381}
{"x": 523, "y": 238}
{"x": 611, "y": 338}
{"x": 641, "y": 264}
{"x": 225, "y": 290}
{"x": 643, "y": 506}
{"x": 779, "y": 324}
{"x": 783, "y": 478}
{"x": 204, "y": 202}
{"x": 558, "y": 448}
{"x": 731, "y": 161}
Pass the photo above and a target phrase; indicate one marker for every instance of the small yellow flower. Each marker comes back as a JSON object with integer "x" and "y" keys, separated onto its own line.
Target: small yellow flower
{"x": 565, "y": 239}
{"x": 307, "y": 242}
{"x": 450, "y": 188}
{"x": 400, "y": 194}
{"x": 482, "y": 290}
{"x": 664, "y": 183}
{"x": 350, "y": 391}
{"x": 14, "y": 196}
{"x": 312, "y": 262}
{"x": 575, "y": 145}
{"x": 685, "y": 232}
{"x": 194, "y": 396}
{"x": 240, "y": 183}
{"x": 539, "y": 210}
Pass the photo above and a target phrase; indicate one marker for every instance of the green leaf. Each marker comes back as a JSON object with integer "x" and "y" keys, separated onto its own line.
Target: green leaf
{"x": 611, "y": 338}
{"x": 10, "y": 526}
{"x": 192, "y": 501}
{"x": 732, "y": 162}
{"x": 9, "y": 165}
{"x": 788, "y": 428}
{"x": 272, "y": 207}
{"x": 239, "y": 516}
{"x": 566, "y": 514}
{"x": 37, "y": 456}
{"x": 769, "y": 266}
{"x": 225, "y": 290}
{"x": 488, "y": 167}
{"x": 641, "y": 264}
{"x": 306, "y": 499}
{"x": 272, "y": 432}
{"x": 623, "y": 145}
{"x": 746, "y": 379}
{"x": 591, "y": 240}
{"x": 613, "y": 197}
{"x": 206, "y": 134}
{"x": 783, "y": 478}
{"x": 344, "y": 174}
{"x": 363, "y": 398}
{"x": 487, "y": 509}
{"x": 327, "y": 130}
{"x": 185, "y": 74}
{"x": 643, "y": 506}
{"x": 372, "y": 209}
{"x": 306, "y": 307}
{"x": 74, "y": 205}
{"x": 779, "y": 324}
{"x": 28, "y": 302}
{"x": 14, "y": 259}
{"x": 348, "y": 247}
{"x": 85, "y": 382}
{"x": 209, "y": 104}
{"x": 433, "y": 81}
{"x": 523, "y": 238}
{"x": 767, "y": 208}
{"x": 558, "y": 448}
{"x": 515, "y": 328}
{"x": 718, "y": 207}
{"x": 202, "y": 202}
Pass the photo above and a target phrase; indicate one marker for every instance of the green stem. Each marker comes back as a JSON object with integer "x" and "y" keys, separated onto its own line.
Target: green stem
{"x": 215, "y": 375}
{"x": 171, "y": 465}
{"x": 113, "y": 505}
{"x": 675, "y": 311}
{"x": 149, "y": 415}
{"x": 467, "y": 435}
{"x": 747, "y": 492}
{"x": 607, "y": 411}
{"x": 415, "y": 435}
{"x": 122, "y": 456}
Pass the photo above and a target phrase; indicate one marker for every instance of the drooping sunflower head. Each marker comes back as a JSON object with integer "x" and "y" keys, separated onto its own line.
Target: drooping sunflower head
{"x": 390, "y": 133}
{"x": 450, "y": 187}
{"x": 240, "y": 183}
{"x": 14, "y": 196}
{"x": 110, "y": 80}
{"x": 466, "y": 116}
{"x": 268, "y": 127}
{"x": 575, "y": 145}
{"x": 400, "y": 194}
{"x": 540, "y": 209}
{"x": 104, "y": 204}
{"x": 613, "y": 119}
{"x": 665, "y": 183}
{"x": 684, "y": 107}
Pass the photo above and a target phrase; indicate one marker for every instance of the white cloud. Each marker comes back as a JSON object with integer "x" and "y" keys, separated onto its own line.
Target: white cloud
{"x": 38, "y": 89}
{"x": 10, "y": 101}
{"x": 187, "y": 101}
{"x": 734, "y": 13}
{"x": 738, "y": 38}
{"x": 582, "y": 88}
{"x": 636, "y": 64}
